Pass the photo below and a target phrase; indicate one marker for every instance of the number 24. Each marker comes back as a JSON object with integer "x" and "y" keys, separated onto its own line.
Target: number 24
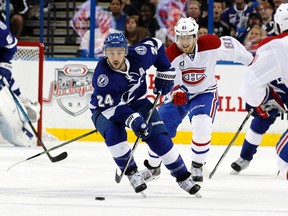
{"x": 105, "y": 101}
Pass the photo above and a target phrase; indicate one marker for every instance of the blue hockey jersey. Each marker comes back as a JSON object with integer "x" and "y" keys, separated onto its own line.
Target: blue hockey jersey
{"x": 117, "y": 93}
{"x": 7, "y": 44}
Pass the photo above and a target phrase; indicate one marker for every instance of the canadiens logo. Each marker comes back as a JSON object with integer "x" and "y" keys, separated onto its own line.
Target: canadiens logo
{"x": 193, "y": 76}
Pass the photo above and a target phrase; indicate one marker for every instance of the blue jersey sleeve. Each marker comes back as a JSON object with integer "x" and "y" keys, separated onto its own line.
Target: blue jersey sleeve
{"x": 7, "y": 44}
{"x": 156, "y": 54}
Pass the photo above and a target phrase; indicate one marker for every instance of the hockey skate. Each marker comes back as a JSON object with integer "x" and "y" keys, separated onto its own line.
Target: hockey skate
{"x": 137, "y": 181}
{"x": 189, "y": 186}
{"x": 239, "y": 165}
{"x": 150, "y": 173}
{"x": 196, "y": 172}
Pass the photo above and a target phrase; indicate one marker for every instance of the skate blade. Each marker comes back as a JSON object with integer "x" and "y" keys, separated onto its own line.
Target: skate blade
{"x": 197, "y": 195}
{"x": 234, "y": 172}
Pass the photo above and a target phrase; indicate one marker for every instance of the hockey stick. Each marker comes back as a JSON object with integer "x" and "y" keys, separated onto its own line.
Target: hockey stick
{"x": 231, "y": 143}
{"x": 119, "y": 177}
{"x": 55, "y": 147}
{"x": 57, "y": 158}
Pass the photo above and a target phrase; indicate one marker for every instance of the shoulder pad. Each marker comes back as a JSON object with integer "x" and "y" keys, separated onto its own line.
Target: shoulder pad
{"x": 208, "y": 42}
{"x": 173, "y": 51}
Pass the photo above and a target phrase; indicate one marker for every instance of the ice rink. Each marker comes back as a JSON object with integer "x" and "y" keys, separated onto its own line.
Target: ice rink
{"x": 68, "y": 188}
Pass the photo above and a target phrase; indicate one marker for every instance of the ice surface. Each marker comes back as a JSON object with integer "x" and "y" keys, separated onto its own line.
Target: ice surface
{"x": 40, "y": 187}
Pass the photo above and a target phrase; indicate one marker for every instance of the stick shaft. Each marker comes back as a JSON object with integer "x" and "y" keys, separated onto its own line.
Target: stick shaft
{"x": 52, "y": 159}
{"x": 231, "y": 143}
{"x": 119, "y": 177}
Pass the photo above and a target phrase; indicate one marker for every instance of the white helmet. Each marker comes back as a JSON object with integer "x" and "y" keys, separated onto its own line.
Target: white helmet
{"x": 281, "y": 17}
{"x": 186, "y": 26}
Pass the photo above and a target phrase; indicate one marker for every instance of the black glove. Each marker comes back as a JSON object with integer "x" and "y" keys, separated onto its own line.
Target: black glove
{"x": 137, "y": 124}
{"x": 165, "y": 86}
{"x": 164, "y": 82}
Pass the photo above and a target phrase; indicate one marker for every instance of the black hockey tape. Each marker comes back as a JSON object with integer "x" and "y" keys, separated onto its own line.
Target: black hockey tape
{"x": 100, "y": 198}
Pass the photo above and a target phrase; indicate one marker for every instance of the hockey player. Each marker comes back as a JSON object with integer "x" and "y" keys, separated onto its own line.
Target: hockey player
{"x": 12, "y": 123}
{"x": 119, "y": 101}
{"x": 195, "y": 92}
{"x": 269, "y": 86}
{"x": 258, "y": 127}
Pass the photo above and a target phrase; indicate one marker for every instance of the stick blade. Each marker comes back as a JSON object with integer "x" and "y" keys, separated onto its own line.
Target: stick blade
{"x": 59, "y": 157}
{"x": 211, "y": 174}
{"x": 118, "y": 177}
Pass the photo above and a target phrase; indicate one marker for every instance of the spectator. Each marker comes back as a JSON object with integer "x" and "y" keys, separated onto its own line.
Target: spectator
{"x": 194, "y": 11}
{"x": 129, "y": 9}
{"x": 266, "y": 12}
{"x": 18, "y": 14}
{"x": 220, "y": 27}
{"x": 253, "y": 19}
{"x": 133, "y": 33}
{"x": 202, "y": 31}
{"x": 147, "y": 18}
{"x": 237, "y": 15}
{"x": 137, "y": 3}
{"x": 119, "y": 17}
{"x": 254, "y": 36}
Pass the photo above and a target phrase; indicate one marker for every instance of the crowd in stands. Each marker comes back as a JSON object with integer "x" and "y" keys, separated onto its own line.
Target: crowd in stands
{"x": 248, "y": 21}
{"x": 156, "y": 18}
{"x": 20, "y": 11}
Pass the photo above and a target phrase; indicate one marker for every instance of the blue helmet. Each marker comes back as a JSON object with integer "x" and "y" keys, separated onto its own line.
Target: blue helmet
{"x": 116, "y": 40}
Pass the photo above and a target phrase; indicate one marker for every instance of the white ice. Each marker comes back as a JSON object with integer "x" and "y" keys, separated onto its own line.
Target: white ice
{"x": 68, "y": 188}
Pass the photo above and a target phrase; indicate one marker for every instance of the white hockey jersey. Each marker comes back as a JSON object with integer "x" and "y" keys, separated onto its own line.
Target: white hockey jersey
{"x": 197, "y": 70}
{"x": 270, "y": 64}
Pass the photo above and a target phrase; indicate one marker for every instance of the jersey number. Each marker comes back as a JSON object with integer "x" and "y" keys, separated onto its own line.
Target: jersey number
{"x": 105, "y": 101}
{"x": 228, "y": 43}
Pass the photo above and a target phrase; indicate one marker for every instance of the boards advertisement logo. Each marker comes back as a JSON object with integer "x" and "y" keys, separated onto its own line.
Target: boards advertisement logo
{"x": 72, "y": 88}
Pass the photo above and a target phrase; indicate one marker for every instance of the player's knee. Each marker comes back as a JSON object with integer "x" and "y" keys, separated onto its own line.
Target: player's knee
{"x": 119, "y": 149}
{"x": 260, "y": 125}
{"x": 202, "y": 128}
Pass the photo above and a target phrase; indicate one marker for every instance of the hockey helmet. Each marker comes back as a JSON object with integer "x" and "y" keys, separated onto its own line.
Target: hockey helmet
{"x": 281, "y": 17}
{"x": 186, "y": 34}
{"x": 186, "y": 26}
{"x": 116, "y": 40}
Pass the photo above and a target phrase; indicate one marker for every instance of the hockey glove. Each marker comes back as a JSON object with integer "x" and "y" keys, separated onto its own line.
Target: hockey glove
{"x": 271, "y": 105}
{"x": 136, "y": 122}
{"x": 179, "y": 95}
{"x": 164, "y": 82}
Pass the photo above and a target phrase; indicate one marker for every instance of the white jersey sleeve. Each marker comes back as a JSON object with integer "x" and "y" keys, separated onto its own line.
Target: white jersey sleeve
{"x": 232, "y": 50}
{"x": 268, "y": 65}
